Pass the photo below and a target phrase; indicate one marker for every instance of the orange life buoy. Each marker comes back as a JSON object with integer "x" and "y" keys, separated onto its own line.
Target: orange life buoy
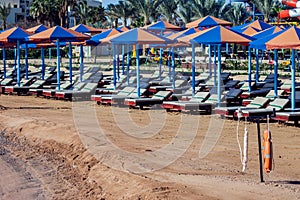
{"x": 267, "y": 151}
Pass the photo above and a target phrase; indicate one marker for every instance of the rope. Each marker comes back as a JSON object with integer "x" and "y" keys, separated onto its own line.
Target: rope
{"x": 237, "y": 135}
{"x": 245, "y": 153}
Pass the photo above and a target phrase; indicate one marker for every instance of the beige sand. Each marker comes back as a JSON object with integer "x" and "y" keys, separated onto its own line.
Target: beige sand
{"x": 43, "y": 156}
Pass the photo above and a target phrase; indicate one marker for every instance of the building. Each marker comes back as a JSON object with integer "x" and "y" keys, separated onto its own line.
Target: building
{"x": 19, "y": 10}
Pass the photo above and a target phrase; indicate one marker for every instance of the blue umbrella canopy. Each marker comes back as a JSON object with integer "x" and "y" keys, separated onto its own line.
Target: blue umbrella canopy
{"x": 82, "y": 28}
{"x": 137, "y": 36}
{"x": 13, "y": 35}
{"x": 37, "y": 29}
{"x": 267, "y": 32}
{"x": 162, "y": 26}
{"x": 58, "y": 33}
{"x": 208, "y": 21}
{"x": 96, "y": 39}
{"x": 261, "y": 43}
{"x": 217, "y": 35}
{"x": 183, "y": 33}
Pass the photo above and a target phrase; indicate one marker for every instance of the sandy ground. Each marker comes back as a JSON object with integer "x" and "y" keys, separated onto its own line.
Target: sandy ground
{"x": 61, "y": 150}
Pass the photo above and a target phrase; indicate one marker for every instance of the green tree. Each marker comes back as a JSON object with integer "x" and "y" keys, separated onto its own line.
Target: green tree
{"x": 113, "y": 14}
{"x": 184, "y": 10}
{"x": 202, "y": 8}
{"x": 168, "y": 8}
{"x": 88, "y": 15}
{"x": 44, "y": 11}
{"x": 4, "y": 12}
{"x": 148, "y": 9}
{"x": 234, "y": 13}
{"x": 266, "y": 7}
{"x": 62, "y": 8}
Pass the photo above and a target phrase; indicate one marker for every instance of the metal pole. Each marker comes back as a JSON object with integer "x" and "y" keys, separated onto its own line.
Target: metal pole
{"x": 257, "y": 65}
{"x": 114, "y": 67}
{"x": 26, "y": 60}
{"x": 58, "y": 64}
{"x": 173, "y": 68}
{"x": 193, "y": 68}
{"x": 209, "y": 61}
{"x": 70, "y": 62}
{"x": 81, "y": 62}
{"x": 293, "y": 92}
{"x": 160, "y": 62}
{"x": 19, "y": 63}
{"x": 43, "y": 62}
{"x": 249, "y": 68}
{"x": 4, "y": 62}
{"x": 123, "y": 63}
{"x": 138, "y": 71}
{"x": 215, "y": 65}
{"x": 219, "y": 75}
{"x": 275, "y": 73}
{"x": 259, "y": 152}
{"x": 128, "y": 62}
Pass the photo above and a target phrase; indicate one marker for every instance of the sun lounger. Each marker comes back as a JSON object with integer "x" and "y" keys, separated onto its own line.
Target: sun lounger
{"x": 198, "y": 97}
{"x": 82, "y": 93}
{"x": 233, "y": 96}
{"x": 231, "y": 84}
{"x": 19, "y": 89}
{"x": 48, "y": 93}
{"x": 276, "y": 105}
{"x": 265, "y": 89}
{"x": 288, "y": 116}
{"x": 157, "y": 98}
{"x": 258, "y": 102}
{"x": 124, "y": 92}
{"x": 198, "y": 106}
{"x": 271, "y": 94}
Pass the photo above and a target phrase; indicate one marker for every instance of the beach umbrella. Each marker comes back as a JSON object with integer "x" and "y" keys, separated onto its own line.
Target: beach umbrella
{"x": 267, "y": 32}
{"x": 260, "y": 44}
{"x": 217, "y": 35}
{"x": 82, "y": 28}
{"x": 161, "y": 27}
{"x": 96, "y": 39}
{"x": 59, "y": 34}
{"x": 33, "y": 30}
{"x": 250, "y": 31}
{"x": 16, "y": 36}
{"x": 289, "y": 39}
{"x": 183, "y": 33}
{"x": 135, "y": 37}
{"x": 208, "y": 21}
{"x": 123, "y": 28}
{"x": 37, "y": 29}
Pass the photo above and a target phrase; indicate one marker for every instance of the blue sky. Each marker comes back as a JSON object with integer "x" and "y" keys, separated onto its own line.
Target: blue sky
{"x": 106, "y": 2}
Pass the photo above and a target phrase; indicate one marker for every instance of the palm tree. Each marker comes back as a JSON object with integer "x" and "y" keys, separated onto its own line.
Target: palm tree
{"x": 84, "y": 14}
{"x": 145, "y": 8}
{"x": 44, "y": 11}
{"x": 4, "y": 12}
{"x": 124, "y": 11}
{"x": 62, "y": 6}
{"x": 112, "y": 14}
{"x": 266, "y": 7}
{"x": 96, "y": 15}
{"x": 234, "y": 13}
{"x": 167, "y": 8}
{"x": 202, "y": 8}
{"x": 80, "y": 12}
{"x": 184, "y": 10}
